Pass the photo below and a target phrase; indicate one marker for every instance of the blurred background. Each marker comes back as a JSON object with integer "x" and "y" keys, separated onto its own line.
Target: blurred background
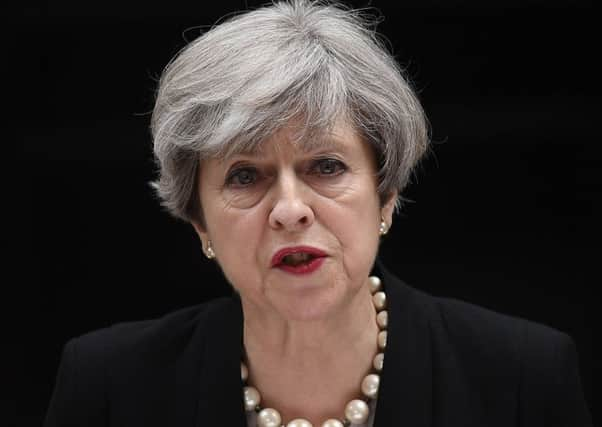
{"x": 500, "y": 213}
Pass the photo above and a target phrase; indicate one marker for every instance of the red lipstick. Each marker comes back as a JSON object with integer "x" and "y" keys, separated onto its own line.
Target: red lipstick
{"x": 315, "y": 258}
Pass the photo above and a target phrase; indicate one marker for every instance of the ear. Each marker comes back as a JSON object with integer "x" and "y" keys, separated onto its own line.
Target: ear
{"x": 389, "y": 207}
{"x": 201, "y": 232}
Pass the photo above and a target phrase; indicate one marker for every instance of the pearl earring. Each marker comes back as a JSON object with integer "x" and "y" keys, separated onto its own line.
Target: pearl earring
{"x": 209, "y": 251}
{"x": 383, "y": 229}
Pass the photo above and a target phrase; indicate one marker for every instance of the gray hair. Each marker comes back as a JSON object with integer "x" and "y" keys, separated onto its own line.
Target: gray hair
{"x": 297, "y": 60}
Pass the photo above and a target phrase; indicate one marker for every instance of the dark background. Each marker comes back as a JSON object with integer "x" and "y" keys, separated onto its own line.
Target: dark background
{"x": 501, "y": 211}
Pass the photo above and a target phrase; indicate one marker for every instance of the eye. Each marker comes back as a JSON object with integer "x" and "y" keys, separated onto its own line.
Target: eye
{"x": 241, "y": 177}
{"x": 328, "y": 167}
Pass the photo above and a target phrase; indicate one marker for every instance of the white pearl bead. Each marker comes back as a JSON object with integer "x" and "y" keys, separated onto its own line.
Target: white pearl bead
{"x": 269, "y": 417}
{"x": 244, "y": 372}
{"x": 380, "y": 300}
{"x": 382, "y": 319}
{"x": 378, "y": 361}
{"x": 252, "y": 398}
{"x": 370, "y": 385}
{"x": 332, "y": 423}
{"x": 357, "y": 411}
{"x": 374, "y": 284}
{"x": 299, "y": 422}
{"x": 382, "y": 339}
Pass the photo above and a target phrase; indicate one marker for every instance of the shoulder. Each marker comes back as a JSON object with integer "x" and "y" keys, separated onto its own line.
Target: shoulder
{"x": 160, "y": 338}
{"x": 466, "y": 321}
{"x": 506, "y": 359}
{"x": 484, "y": 333}
{"x": 463, "y": 324}
{"x": 534, "y": 362}
{"x": 129, "y": 359}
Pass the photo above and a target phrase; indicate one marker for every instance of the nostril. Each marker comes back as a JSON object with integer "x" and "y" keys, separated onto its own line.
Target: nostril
{"x": 291, "y": 214}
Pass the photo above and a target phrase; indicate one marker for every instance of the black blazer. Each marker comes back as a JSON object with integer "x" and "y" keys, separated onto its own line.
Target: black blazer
{"x": 447, "y": 363}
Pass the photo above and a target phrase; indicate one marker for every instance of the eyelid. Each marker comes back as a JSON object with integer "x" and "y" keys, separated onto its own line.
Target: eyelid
{"x": 339, "y": 163}
{"x": 237, "y": 168}
{"x": 239, "y": 164}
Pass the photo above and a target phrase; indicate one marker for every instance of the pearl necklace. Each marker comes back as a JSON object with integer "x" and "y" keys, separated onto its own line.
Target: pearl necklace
{"x": 357, "y": 410}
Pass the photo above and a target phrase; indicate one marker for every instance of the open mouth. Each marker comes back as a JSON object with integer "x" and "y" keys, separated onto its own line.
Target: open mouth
{"x": 298, "y": 258}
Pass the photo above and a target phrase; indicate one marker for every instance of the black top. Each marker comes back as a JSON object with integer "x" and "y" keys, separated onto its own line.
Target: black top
{"x": 447, "y": 363}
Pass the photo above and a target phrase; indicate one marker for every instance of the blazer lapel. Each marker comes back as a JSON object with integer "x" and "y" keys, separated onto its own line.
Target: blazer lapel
{"x": 221, "y": 396}
{"x": 405, "y": 392}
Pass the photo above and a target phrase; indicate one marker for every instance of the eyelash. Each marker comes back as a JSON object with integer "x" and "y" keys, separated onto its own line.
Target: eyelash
{"x": 338, "y": 165}
{"x": 230, "y": 179}
{"x": 314, "y": 170}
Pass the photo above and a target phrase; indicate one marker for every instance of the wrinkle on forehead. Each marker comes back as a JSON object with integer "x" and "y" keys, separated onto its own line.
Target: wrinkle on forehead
{"x": 303, "y": 139}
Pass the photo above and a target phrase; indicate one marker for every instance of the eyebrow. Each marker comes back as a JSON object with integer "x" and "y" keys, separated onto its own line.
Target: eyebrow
{"x": 330, "y": 142}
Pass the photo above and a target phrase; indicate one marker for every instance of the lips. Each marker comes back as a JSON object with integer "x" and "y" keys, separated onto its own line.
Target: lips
{"x": 297, "y": 256}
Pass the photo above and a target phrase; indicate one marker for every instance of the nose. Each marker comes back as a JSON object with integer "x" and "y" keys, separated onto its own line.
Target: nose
{"x": 290, "y": 211}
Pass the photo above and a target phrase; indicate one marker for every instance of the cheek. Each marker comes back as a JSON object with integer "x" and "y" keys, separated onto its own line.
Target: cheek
{"x": 354, "y": 222}
{"x": 237, "y": 251}
{"x": 235, "y": 231}
{"x": 245, "y": 198}
{"x": 338, "y": 187}
{"x": 357, "y": 207}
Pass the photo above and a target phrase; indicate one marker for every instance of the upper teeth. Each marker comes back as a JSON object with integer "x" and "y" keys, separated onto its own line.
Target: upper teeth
{"x": 296, "y": 258}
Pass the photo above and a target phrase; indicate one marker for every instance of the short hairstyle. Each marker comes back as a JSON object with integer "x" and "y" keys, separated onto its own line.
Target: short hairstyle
{"x": 237, "y": 84}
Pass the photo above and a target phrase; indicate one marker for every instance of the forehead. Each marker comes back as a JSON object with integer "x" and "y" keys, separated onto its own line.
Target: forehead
{"x": 340, "y": 137}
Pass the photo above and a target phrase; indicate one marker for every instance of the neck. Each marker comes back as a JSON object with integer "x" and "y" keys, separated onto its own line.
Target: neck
{"x": 311, "y": 368}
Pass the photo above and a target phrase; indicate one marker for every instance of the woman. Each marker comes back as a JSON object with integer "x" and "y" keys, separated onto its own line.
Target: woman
{"x": 285, "y": 136}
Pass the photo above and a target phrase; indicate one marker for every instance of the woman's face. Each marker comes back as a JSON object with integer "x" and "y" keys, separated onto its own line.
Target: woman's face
{"x": 295, "y": 231}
